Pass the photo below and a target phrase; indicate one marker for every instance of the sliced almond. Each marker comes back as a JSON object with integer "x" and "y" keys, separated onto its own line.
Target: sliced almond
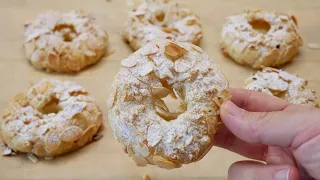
{"x": 183, "y": 14}
{"x": 32, "y": 158}
{"x": 163, "y": 163}
{"x": 182, "y": 65}
{"x": 294, "y": 20}
{"x": 154, "y": 134}
{"x": 168, "y": 116}
{"x": 130, "y": 151}
{"x": 38, "y": 56}
{"x": 140, "y": 161}
{"x": 174, "y": 52}
{"x": 160, "y": 92}
{"x": 217, "y": 102}
{"x": 89, "y": 53}
{"x": 146, "y": 177}
{"x": 189, "y": 140}
{"x": 141, "y": 149}
{"x": 74, "y": 65}
{"x": 19, "y": 97}
{"x": 53, "y": 61}
{"x": 112, "y": 97}
{"x": 313, "y": 46}
{"x": 147, "y": 68}
{"x": 169, "y": 30}
{"x": 43, "y": 87}
{"x": 87, "y": 135}
{"x": 286, "y": 76}
{"x": 191, "y": 22}
{"x": 5, "y": 115}
{"x": 52, "y": 141}
{"x": 129, "y": 62}
{"x": 6, "y": 151}
{"x": 150, "y": 160}
{"x": 225, "y": 95}
{"x": 93, "y": 43}
{"x": 197, "y": 48}
{"x": 279, "y": 85}
{"x": 179, "y": 93}
{"x": 127, "y": 97}
{"x": 160, "y": 103}
{"x": 29, "y": 48}
{"x": 152, "y": 50}
{"x": 181, "y": 109}
{"x": 71, "y": 134}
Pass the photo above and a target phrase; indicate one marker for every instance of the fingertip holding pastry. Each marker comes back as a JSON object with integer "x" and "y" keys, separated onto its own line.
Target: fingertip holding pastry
{"x": 64, "y": 42}
{"x": 142, "y": 122}
{"x": 261, "y": 39}
{"x": 282, "y": 84}
{"x": 52, "y": 118}
{"x": 162, "y": 19}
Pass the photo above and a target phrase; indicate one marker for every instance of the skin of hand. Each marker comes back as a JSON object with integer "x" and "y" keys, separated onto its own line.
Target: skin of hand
{"x": 282, "y": 137}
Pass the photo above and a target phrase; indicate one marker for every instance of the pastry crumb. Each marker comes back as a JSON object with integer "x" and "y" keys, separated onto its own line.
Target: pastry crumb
{"x": 313, "y": 46}
{"x": 33, "y": 158}
{"x": 146, "y": 177}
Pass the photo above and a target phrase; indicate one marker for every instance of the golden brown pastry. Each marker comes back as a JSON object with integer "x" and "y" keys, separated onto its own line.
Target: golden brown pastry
{"x": 260, "y": 38}
{"x": 64, "y": 42}
{"x": 162, "y": 19}
{"x": 282, "y": 84}
{"x": 142, "y": 122}
{"x": 50, "y": 119}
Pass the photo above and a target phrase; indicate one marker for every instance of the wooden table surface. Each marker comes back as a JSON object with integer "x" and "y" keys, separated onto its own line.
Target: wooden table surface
{"x": 105, "y": 159}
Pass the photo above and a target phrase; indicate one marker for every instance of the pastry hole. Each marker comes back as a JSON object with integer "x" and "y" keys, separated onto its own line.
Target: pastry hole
{"x": 260, "y": 25}
{"x": 51, "y": 107}
{"x": 172, "y": 103}
{"x": 171, "y": 106}
{"x": 67, "y": 31}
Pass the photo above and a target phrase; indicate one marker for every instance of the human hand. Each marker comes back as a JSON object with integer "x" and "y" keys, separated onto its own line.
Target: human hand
{"x": 265, "y": 128}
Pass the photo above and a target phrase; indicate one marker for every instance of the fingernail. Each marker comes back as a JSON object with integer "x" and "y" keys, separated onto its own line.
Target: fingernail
{"x": 233, "y": 110}
{"x": 283, "y": 174}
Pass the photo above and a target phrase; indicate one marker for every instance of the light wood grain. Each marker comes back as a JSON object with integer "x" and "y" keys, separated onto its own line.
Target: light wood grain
{"x": 104, "y": 159}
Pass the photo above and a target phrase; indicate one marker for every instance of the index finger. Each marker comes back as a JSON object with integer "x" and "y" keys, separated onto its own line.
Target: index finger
{"x": 257, "y": 101}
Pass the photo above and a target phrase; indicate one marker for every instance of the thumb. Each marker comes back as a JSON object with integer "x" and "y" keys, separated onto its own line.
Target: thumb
{"x": 251, "y": 170}
{"x": 290, "y": 127}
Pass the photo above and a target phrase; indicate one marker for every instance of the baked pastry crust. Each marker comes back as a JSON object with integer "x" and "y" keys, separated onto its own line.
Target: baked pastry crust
{"x": 261, "y": 39}
{"x": 64, "y": 42}
{"x": 50, "y": 119}
{"x": 142, "y": 122}
{"x": 161, "y": 19}
{"x": 282, "y": 84}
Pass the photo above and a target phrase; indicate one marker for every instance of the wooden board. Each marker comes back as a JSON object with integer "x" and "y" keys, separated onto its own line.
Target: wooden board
{"x": 105, "y": 159}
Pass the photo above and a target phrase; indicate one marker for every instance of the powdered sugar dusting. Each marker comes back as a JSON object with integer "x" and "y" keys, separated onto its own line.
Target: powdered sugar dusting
{"x": 64, "y": 42}
{"x": 247, "y": 46}
{"x": 162, "y": 19}
{"x": 142, "y": 122}
{"x": 43, "y": 119}
{"x": 282, "y": 84}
